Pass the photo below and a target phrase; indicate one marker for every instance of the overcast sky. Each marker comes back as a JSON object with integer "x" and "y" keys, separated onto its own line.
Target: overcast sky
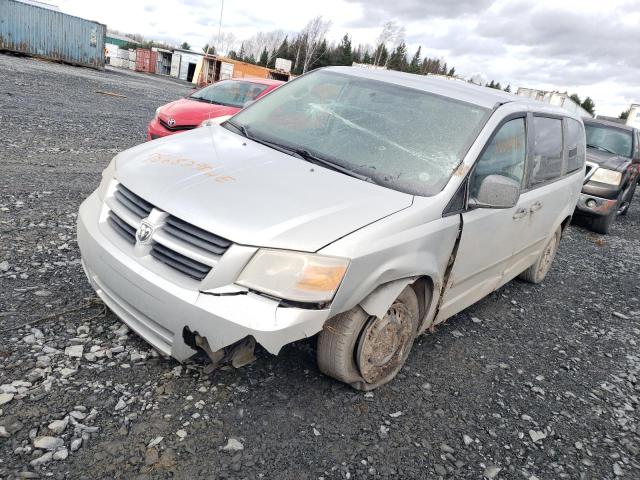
{"x": 591, "y": 47}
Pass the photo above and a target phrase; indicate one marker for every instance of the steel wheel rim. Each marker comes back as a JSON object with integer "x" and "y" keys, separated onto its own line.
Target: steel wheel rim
{"x": 383, "y": 343}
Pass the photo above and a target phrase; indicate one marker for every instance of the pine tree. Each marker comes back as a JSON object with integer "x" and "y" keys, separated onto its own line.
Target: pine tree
{"x": 367, "y": 58}
{"x": 589, "y": 105}
{"x": 398, "y": 59}
{"x": 264, "y": 58}
{"x": 508, "y": 88}
{"x": 241, "y": 53}
{"x": 414, "y": 66}
{"x": 345, "y": 55}
{"x": 452, "y": 72}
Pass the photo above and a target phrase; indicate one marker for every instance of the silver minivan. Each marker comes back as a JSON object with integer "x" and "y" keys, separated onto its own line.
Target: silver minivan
{"x": 362, "y": 206}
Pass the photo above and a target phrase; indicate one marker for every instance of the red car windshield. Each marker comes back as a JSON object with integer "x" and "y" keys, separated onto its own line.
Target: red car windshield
{"x": 229, "y": 93}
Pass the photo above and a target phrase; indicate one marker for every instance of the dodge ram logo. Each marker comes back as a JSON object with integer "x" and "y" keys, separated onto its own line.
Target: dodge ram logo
{"x": 144, "y": 232}
{"x": 171, "y": 122}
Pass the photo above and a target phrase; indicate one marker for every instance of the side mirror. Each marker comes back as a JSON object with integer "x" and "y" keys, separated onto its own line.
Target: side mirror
{"x": 496, "y": 191}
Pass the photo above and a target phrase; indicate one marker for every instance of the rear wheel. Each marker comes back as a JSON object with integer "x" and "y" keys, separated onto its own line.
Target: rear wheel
{"x": 536, "y": 272}
{"x": 366, "y": 351}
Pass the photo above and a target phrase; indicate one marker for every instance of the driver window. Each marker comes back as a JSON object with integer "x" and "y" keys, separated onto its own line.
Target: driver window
{"x": 504, "y": 155}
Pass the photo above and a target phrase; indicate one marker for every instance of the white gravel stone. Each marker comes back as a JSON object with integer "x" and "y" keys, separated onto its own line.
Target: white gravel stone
{"x": 537, "y": 435}
{"x": 4, "y": 433}
{"x": 74, "y": 351}
{"x": 46, "y": 458}
{"x": 120, "y": 405}
{"x": 58, "y": 426}
{"x": 182, "y": 434}
{"x": 76, "y": 443}
{"x": 467, "y": 439}
{"x": 491, "y": 471}
{"x": 8, "y": 388}
{"x": 155, "y": 442}
{"x": 47, "y": 443}
{"x": 617, "y": 470}
{"x": 5, "y": 398}
{"x": 233, "y": 445}
{"x": 29, "y": 339}
{"x": 61, "y": 454}
{"x": 395, "y": 414}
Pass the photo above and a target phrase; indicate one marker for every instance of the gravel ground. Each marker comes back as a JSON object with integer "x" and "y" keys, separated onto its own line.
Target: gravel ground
{"x": 533, "y": 382}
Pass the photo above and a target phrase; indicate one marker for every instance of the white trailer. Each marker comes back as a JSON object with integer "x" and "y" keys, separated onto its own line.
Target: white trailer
{"x": 633, "y": 119}
{"x": 554, "y": 98}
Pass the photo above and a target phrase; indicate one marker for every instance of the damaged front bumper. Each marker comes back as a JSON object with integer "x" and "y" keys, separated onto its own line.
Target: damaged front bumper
{"x": 168, "y": 315}
{"x": 595, "y": 206}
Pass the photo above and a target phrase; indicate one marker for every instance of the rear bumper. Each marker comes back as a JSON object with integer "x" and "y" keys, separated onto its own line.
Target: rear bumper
{"x": 592, "y": 205}
{"x": 158, "y": 309}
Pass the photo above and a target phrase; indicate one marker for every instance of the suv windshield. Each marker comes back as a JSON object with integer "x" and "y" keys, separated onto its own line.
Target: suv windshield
{"x": 231, "y": 93}
{"x": 402, "y": 138}
{"x": 609, "y": 139}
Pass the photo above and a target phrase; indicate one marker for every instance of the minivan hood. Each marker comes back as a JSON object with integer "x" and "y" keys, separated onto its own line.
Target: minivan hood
{"x": 251, "y": 194}
{"x": 193, "y": 112}
{"x": 607, "y": 160}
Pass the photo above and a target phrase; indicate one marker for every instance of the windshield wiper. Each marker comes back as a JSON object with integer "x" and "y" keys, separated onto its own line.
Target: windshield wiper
{"x": 313, "y": 158}
{"x": 599, "y": 147}
{"x": 245, "y": 133}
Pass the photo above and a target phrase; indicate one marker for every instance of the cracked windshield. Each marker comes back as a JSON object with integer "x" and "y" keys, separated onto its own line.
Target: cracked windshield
{"x": 399, "y": 137}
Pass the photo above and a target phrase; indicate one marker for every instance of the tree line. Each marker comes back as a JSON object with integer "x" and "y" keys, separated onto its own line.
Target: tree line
{"x": 309, "y": 49}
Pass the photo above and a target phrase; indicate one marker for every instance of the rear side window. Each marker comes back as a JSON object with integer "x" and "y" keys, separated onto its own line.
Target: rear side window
{"x": 575, "y": 145}
{"x": 546, "y": 161}
{"x": 504, "y": 155}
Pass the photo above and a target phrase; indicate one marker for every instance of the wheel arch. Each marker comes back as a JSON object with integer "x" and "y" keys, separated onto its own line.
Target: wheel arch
{"x": 380, "y": 299}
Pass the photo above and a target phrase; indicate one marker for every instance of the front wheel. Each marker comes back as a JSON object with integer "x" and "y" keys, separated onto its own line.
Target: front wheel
{"x": 366, "y": 351}
{"x": 624, "y": 208}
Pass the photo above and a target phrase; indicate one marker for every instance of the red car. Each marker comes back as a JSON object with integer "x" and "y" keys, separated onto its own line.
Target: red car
{"x": 223, "y": 98}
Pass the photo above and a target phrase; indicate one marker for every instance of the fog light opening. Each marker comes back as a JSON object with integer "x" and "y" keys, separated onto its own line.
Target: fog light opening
{"x": 591, "y": 203}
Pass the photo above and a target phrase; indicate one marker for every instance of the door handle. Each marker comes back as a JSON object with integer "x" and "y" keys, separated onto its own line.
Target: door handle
{"x": 520, "y": 213}
{"x": 535, "y": 207}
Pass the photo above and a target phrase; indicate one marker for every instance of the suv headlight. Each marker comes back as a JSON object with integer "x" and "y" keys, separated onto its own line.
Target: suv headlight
{"x": 296, "y": 276}
{"x": 604, "y": 175}
{"x": 107, "y": 175}
{"x": 158, "y": 112}
{"x": 210, "y": 122}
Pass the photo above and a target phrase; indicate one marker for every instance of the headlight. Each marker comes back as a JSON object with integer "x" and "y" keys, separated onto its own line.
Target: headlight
{"x": 300, "y": 277}
{"x": 604, "y": 175}
{"x": 158, "y": 112}
{"x": 209, "y": 122}
{"x": 107, "y": 175}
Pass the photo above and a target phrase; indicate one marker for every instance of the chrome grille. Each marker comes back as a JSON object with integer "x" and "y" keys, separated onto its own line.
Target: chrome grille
{"x": 136, "y": 205}
{"x": 177, "y": 244}
{"x": 123, "y": 228}
{"x": 176, "y": 128}
{"x": 180, "y": 262}
{"x": 196, "y": 236}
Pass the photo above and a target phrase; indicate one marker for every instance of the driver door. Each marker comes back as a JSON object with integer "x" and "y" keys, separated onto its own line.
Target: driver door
{"x": 491, "y": 237}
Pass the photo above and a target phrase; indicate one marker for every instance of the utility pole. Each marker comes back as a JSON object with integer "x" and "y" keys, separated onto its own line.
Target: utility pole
{"x": 220, "y": 24}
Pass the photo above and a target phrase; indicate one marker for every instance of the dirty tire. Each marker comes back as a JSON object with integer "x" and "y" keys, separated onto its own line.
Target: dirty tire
{"x": 538, "y": 271}
{"x": 340, "y": 339}
{"x": 628, "y": 200}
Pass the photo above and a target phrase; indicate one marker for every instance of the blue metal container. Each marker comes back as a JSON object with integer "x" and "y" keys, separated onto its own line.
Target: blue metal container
{"x": 51, "y": 34}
